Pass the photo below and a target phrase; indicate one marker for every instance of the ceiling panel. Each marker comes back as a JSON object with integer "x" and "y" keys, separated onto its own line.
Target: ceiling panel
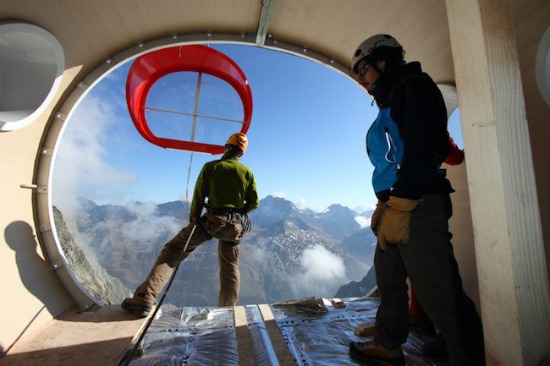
{"x": 92, "y": 31}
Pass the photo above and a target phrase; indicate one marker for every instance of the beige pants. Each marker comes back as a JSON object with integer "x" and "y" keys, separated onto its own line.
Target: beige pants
{"x": 227, "y": 228}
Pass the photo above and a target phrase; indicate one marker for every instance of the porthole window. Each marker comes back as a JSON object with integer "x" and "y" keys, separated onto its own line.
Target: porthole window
{"x": 543, "y": 66}
{"x": 115, "y": 198}
{"x": 31, "y": 65}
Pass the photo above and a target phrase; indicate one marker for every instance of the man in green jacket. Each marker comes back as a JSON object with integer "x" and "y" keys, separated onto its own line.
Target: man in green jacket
{"x": 230, "y": 189}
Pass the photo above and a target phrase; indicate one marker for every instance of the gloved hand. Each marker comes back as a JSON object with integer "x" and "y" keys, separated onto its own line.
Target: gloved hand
{"x": 375, "y": 218}
{"x": 395, "y": 221}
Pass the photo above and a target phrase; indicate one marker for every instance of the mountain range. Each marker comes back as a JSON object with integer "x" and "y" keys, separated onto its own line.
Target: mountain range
{"x": 290, "y": 253}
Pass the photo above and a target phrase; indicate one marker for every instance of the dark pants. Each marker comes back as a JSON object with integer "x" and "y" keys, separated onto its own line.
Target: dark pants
{"x": 225, "y": 227}
{"x": 429, "y": 262}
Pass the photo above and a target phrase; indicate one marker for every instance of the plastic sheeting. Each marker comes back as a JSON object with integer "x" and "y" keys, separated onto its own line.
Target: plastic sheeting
{"x": 316, "y": 333}
{"x": 190, "y": 336}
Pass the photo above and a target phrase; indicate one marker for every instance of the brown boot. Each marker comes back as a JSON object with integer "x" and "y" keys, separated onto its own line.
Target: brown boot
{"x": 137, "y": 306}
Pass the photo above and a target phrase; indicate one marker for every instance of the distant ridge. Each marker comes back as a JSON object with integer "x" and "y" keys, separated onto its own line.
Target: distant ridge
{"x": 290, "y": 253}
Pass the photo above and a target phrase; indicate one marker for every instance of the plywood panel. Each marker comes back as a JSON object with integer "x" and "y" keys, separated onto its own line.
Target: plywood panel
{"x": 532, "y": 20}
{"x": 92, "y": 31}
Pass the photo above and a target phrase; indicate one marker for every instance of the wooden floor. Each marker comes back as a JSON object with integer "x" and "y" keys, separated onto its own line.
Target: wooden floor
{"x": 91, "y": 338}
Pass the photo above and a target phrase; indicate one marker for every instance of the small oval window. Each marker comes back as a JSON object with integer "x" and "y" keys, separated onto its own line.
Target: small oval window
{"x": 32, "y": 64}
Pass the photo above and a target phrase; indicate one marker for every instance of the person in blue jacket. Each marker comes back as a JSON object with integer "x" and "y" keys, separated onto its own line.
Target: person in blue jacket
{"x": 407, "y": 144}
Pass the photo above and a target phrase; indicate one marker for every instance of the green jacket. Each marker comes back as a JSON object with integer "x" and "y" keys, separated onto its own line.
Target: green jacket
{"x": 226, "y": 183}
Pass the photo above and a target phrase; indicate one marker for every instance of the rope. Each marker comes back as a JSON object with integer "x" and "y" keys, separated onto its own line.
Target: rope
{"x": 247, "y": 224}
{"x": 187, "y": 185}
{"x": 128, "y": 357}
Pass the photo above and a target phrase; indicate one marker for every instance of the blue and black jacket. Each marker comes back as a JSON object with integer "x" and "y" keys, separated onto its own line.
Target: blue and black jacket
{"x": 408, "y": 141}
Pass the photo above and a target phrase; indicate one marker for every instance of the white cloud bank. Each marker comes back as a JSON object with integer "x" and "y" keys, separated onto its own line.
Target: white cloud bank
{"x": 362, "y": 221}
{"x": 80, "y": 165}
{"x": 321, "y": 271}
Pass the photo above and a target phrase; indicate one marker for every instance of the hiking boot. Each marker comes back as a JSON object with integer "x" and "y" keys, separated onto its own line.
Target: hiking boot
{"x": 436, "y": 349}
{"x": 373, "y": 353}
{"x": 423, "y": 325}
{"x": 135, "y": 307}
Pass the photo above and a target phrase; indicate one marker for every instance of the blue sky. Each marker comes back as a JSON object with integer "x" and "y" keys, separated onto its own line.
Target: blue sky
{"x": 307, "y": 138}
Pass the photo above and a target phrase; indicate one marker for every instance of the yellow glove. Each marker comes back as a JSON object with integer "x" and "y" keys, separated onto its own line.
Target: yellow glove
{"x": 395, "y": 220}
{"x": 376, "y": 217}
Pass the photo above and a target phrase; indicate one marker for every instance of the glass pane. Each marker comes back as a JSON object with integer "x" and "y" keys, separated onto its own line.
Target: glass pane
{"x": 179, "y": 109}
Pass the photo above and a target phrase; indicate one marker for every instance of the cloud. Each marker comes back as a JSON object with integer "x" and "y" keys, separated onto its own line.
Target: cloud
{"x": 321, "y": 264}
{"x": 279, "y": 194}
{"x": 303, "y": 204}
{"x": 300, "y": 204}
{"x": 146, "y": 229}
{"x": 148, "y": 226}
{"x": 320, "y": 270}
{"x": 362, "y": 221}
{"x": 80, "y": 167}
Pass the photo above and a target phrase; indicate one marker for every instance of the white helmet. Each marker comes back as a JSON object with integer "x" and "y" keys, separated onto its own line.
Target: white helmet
{"x": 368, "y": 46}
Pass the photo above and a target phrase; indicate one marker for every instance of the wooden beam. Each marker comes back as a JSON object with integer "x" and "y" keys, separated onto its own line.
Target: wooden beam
{"x": 244, "y": 341}
{"x": 510, "y": 257}
{"x": 284, "y": 356}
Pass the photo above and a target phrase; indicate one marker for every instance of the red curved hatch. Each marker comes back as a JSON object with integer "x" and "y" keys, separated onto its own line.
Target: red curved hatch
{"x": 149, "y": 68}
